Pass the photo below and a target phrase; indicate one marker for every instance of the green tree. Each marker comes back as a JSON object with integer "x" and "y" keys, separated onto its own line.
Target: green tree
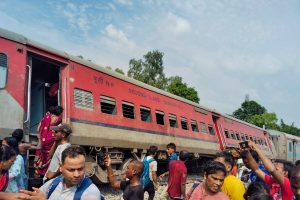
{"x": 177, "y": 87}
{"x": 150, "y": 70}
{"x": 119, "y": 71}
{"x": 248, "y": 109}
{"x": 269, "y": 120}
{"x": 291, "y": 129}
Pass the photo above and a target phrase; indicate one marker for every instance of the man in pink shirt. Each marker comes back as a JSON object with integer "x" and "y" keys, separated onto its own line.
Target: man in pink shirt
{"x": 210, "y": 188}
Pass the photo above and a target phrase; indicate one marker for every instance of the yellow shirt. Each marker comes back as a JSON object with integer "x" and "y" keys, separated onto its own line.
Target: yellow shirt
{"x": 233, "y": 188}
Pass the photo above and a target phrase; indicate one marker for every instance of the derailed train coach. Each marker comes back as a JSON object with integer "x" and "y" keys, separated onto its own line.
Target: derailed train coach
{"x": 287, "y": 146}
{"x": 108, "y": 112}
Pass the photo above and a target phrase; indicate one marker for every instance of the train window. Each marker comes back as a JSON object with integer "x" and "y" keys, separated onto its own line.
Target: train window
{"x": 184, "y": 123}
{"x": 254, "y": 140}
{"x": 226, "y": 134}
{"x": 246, "y": 137}
{"x": 237, "y": 136}
{"x": 128, "y": 110}
{"x": 83, "y": 99}
{"x": 251, "y": 138}
{"x": 203, "y": 127}
{"x": 108, "y": 105}
{"x": 194, "y": 126}
{"x": 232, "y": 135}
{"x": 3, "y": 70}
{"x": 290, "y": 147}
{"x": 145, "y": 114}
{"x": 242, "y": 137}
{"x": 160, "y": 117}
{"x": 211, "y": 130}
{"x": 173, "y": 121}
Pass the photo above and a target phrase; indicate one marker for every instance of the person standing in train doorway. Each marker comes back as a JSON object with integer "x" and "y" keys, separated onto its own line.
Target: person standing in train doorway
{"x": 171, "y": 151}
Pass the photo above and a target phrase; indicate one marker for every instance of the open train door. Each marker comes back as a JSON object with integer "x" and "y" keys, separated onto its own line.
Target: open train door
{"x": 44, "y": 86}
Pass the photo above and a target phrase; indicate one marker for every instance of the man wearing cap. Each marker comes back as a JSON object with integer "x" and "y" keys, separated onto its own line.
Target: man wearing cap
{"x": 62, "y": 133}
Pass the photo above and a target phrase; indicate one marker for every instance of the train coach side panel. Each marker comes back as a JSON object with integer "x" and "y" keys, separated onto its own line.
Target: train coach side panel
{"x": 12, "y": 96}
{"x": 119, "y": 131}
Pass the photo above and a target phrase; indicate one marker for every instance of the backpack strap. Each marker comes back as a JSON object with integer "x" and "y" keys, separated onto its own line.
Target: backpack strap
{"x": 53, "y": 185}
{"x": 85, "y": 183}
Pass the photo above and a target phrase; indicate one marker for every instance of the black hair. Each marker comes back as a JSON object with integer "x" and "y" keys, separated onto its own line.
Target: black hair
{"x": 261, "y": 196}
{"x": 227, "y": 156}
{"x": 184, "y": 155}
{"x": 256, "y": 188}
{"x": 213, "y": 167}
{"x": 152, "y": 150}
{"x": 18, "y": 134}
{"x": 287, "y": 165}
{"x": 138, "y": 166}
{"x": 6, "y": 153}
{"x": 56, "y": 110}
{"x": 72, "y": 152}
{"x": 172, "y": 146}
{"x": 13, "y": 143}
{"x": 295, "y": 173}
{"x": 297, "y": 162}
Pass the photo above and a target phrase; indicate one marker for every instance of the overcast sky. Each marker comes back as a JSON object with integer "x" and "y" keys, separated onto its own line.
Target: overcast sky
{"x": 224, "y": 48}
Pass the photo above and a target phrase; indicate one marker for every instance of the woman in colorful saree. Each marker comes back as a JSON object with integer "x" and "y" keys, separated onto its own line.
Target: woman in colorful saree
{"x": 46, "y": 140}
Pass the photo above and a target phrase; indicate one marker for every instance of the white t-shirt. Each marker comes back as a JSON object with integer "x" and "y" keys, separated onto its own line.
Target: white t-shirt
{"x": 56, "y": 159}
{"x": 152, "y": 167}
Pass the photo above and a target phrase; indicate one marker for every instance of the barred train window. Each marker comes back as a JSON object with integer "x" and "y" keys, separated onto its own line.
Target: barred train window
{"x": 160, "y": 117}
{"x": 3, "y": 70}
{"x": 145, "y": 114}
{"x": 237, "y": 136}
{"x": 232, "y": 135}
{"x": 211, "y": 130}
{"x": 184, "y": 123}
{"x": 173, "y": 121}
{"x": 242, "y": 137}
{"x": 83, "y": 99}
{"x": 108, "y": 105}
{"x": 226, "y": 134}
{"x": 203, "y": 127}
{"x": 194, "y": 126}
{"x": 128, "y": 110}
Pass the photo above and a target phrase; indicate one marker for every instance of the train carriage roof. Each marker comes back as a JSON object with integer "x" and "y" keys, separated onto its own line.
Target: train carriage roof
{"x": 276, "y": 133}
{"x": 26, "y": 41}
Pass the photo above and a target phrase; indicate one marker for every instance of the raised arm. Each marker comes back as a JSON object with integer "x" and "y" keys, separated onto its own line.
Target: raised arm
{"x": 268, "y": 164}
{"x": 253, "y": 165}
{"x": 111, "y": 177}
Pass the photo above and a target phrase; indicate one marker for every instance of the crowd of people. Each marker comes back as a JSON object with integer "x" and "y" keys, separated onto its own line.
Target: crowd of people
{"x": 235, "y": 174}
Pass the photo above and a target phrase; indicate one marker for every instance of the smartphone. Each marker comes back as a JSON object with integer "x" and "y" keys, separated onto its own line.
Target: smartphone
{"x": 244, "y": 145}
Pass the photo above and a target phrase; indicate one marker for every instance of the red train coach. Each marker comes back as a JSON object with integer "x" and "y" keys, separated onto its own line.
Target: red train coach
{"x": 108, "y": 112}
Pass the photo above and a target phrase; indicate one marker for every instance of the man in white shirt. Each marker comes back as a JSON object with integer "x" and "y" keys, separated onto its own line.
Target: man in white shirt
{"x": 62, "y": 133}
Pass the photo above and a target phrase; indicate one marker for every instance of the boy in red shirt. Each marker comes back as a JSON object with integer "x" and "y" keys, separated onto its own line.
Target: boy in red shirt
{"x": 177, "y": 177}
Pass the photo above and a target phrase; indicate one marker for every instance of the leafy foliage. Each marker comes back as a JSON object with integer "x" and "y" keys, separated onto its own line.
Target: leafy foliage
{"x": 177, "y": 87}
{"x": 150, "y": 70}
{"x": 248, "y": 109}
{"x": 119, "y": 71}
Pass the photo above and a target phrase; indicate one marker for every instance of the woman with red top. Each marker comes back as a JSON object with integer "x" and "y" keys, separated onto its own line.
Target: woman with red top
{"x": 46, "y": 140}
{"x": 7, "y": 158}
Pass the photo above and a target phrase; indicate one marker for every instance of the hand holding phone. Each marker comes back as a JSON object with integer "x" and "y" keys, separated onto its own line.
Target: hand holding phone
{"x": 244, "y": 145}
